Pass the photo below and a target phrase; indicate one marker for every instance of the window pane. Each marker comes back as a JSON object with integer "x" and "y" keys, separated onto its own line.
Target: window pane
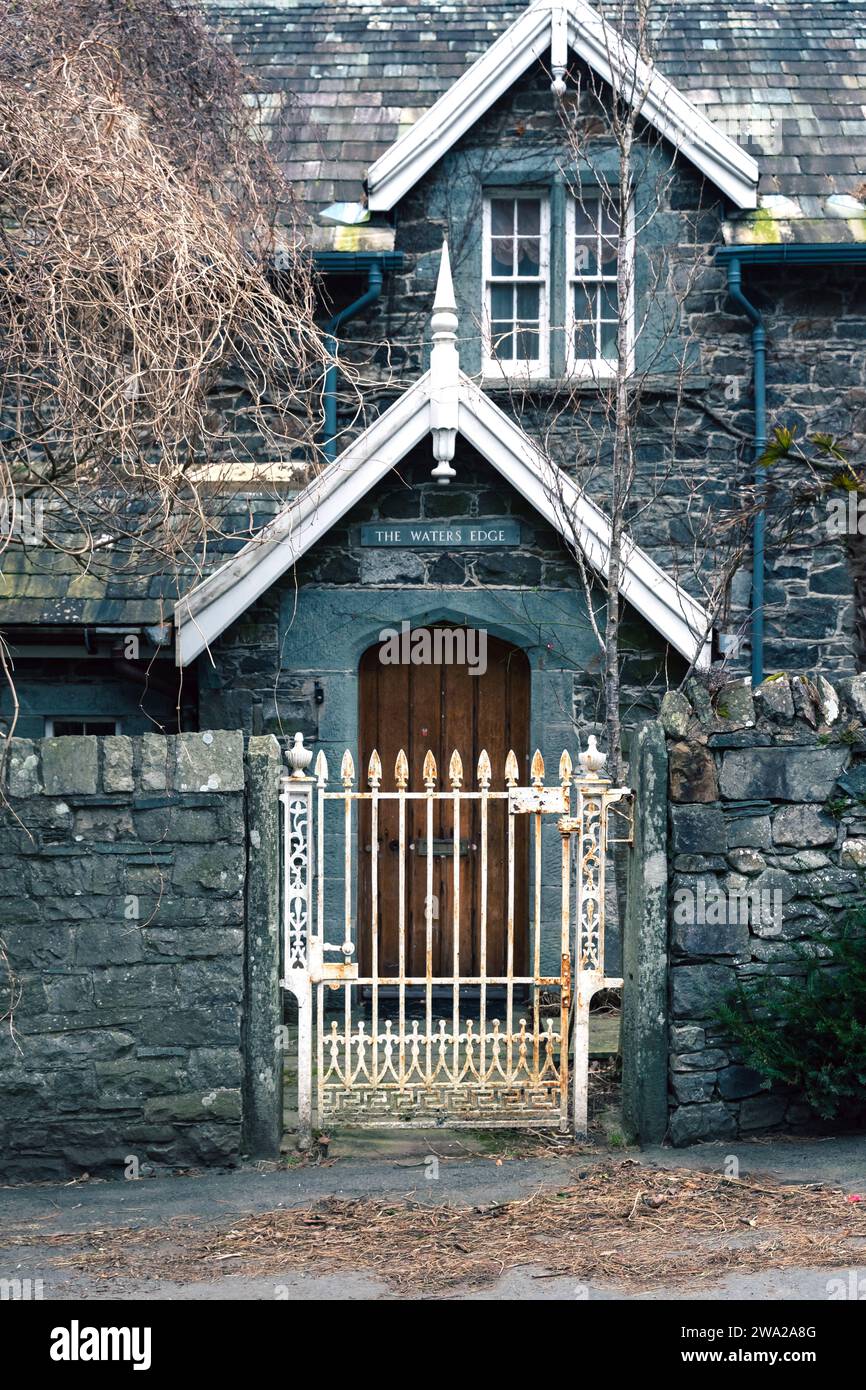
{"x": 608, "y": 302}
{"x": 528, "y": 297}
{"x": 584, "y": 341}
{"x": 585, "y": 258}
{"x": 585, "y": 215}
{"x": 503, "y": 341}
{"x": 608, "y": 257}
{"x": 527, "y": 344}
{"x": 608, "y": 341}
{"x": 502, "y": 255}
{"x": 502, "y": 216}
{"x": 585, "y": 302}
{"x": 528, "y": 254}
{"x": 501, "y": 302}
{"x": 529, "y": 216}
{"x": 609, "y": 221}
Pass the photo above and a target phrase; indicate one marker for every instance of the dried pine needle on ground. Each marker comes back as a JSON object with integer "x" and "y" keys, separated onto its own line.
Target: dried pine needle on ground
{"x": 621, "y": 1222}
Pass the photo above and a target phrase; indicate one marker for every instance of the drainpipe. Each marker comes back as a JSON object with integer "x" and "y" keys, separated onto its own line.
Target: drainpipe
{"x": 370, "y": 295}
{"x": 759, "y": 350}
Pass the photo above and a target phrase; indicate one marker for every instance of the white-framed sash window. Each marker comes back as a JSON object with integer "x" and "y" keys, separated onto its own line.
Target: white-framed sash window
{"x": 516, "y": 284}
{"x": 592, "y": 310}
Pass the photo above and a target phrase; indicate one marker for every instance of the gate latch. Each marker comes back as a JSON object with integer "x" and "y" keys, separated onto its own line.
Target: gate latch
{"x": 523, "y": 801}
{"x": 322, "y": 971}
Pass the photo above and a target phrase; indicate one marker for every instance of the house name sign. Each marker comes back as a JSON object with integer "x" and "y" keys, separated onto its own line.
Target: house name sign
{"x": 427, "y": 535}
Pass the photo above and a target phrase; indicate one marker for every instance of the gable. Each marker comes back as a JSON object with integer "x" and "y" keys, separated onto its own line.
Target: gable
{"x": 443, "y": 403}
{"x": 557, "y": 26}
{"x": 213, "y": 605}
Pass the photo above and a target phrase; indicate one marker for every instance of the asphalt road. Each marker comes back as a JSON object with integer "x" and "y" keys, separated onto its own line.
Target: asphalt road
{"x": 219, "y": 1197}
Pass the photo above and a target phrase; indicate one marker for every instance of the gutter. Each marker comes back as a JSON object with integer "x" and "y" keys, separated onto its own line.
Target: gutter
{"x": 375, "y": 263}
{"x": 734, "y": 258}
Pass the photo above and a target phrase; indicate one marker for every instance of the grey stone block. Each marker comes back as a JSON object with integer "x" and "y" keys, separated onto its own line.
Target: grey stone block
{"x": 692, "y": 1087}
{"x": 108, "y": 942}
{"x": 23, "y": 768}
{"x": 762, "y": 1112}
{"x": 217, "y": 1103}
{"x": 746, "y": 861}
{"x": 727, "y": 938}
{"x": 804, "y": 826}
{"x": 675, "y": 714}
{"x": 698, "y": 990}
{"x": 736, "y": 1082}
{"x": 736, "y": 705}
{"x": 751, "y": 832}
{"x": 117, "y": 764}
{"x": 219, "y": 869}
{"x": 773, "y": 698}
{"x": 853, "y": 691}
{"x": 687, "y": 1038}
{"x": 698, "y": 829}
{"x": 707, "y": 1059}
{"x": 70, "y": 765}
{"x": 144, "y": 986}
{"x": 154, "y": 755}
{"x": 211, "y": 761}
{"x": 689, "y": 1124}
{"x": 781, "y": 773}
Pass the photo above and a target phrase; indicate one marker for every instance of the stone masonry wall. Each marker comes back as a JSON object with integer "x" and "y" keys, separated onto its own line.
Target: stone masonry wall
{"x": 767, "y": 794}
{"x": 122, "y": 879}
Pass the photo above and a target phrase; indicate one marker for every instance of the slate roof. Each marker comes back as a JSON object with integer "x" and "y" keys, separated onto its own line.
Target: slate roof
{"x": 124, "y": 585}
{"x": 786, "y": 78}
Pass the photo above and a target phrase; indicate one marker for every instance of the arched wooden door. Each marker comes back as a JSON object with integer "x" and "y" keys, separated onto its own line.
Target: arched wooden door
{"x": 443, "y": 707}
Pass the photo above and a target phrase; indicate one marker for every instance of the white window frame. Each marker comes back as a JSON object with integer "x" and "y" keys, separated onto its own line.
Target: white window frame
{"x": 50, "y": 721}
{"x": 595, "y": 368}
{"x": 523, "y": 368}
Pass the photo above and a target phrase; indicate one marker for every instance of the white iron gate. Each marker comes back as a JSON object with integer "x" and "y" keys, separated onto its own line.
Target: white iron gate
{"x": 455, "y": 1044}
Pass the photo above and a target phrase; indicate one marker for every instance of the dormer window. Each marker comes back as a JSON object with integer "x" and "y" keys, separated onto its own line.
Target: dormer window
{"x": 516, "y": 285}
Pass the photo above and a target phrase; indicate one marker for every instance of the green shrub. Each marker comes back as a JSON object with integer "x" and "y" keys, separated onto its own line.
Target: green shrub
{"x": 809, "y": 1032}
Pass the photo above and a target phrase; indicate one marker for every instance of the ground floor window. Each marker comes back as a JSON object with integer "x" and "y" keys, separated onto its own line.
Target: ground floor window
{"x": 60, "y": 726}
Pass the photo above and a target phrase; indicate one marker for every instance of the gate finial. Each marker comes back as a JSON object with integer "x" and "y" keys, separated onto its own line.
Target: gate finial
{"x": 592, "y": 759}
{"x": 401, "y": 769}
{"x": 299, "y": 757}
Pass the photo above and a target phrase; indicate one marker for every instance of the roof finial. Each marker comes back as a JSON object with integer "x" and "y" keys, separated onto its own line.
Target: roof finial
{"x": 558, "y": 50}
{"x": 444, "y": 372}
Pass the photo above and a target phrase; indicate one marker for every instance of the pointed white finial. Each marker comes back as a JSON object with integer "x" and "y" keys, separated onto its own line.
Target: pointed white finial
{"x": 444, "y": 372}
{"x": 558, "y": 50}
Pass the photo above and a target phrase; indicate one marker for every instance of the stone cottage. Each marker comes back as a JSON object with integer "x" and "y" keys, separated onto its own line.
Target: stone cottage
{"x": 414, "y": 126}
{"x": 458, "y": 171}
